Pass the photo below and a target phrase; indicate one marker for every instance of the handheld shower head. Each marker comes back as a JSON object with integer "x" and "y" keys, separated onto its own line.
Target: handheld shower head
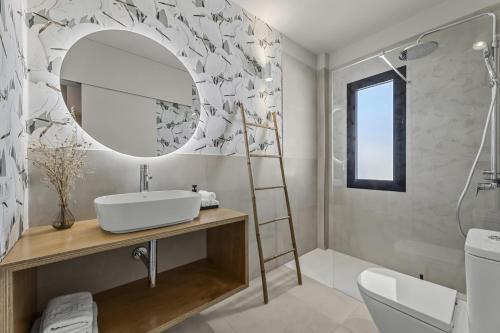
{"x": 418, "y": 50}
{"x": 485, "y": 48}
{"x": 480, "y": 45}
{"x": 491, "y": 69}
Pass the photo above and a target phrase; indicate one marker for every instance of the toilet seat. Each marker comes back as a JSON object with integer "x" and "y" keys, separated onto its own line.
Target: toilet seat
{"x": 422, "y": 300}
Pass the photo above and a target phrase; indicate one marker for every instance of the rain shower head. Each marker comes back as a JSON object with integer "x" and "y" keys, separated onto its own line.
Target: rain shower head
{"x": 418, "y": 50}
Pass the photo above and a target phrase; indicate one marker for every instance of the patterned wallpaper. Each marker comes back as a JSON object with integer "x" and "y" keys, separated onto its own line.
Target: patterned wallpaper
{"x": 12, "y": 134}
{"x": 224, "y": 48}
{"x": 175, "y": 123}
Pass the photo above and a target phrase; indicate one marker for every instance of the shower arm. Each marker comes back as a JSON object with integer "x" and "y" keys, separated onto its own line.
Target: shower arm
{"x": 384, "y": 58}
{"x": 465, "y": 20}
{"x": 398, "y": 47}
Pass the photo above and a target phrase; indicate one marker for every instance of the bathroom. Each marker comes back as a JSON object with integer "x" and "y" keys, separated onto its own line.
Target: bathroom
{"x": 204, "y": 73}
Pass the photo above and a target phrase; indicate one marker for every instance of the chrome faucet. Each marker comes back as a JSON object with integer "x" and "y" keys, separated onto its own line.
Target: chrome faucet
{"x": 144, "y": 178}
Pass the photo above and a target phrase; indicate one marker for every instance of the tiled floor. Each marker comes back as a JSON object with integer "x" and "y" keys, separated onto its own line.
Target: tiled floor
{"x": 333, "y": 269}
{"x": 310, "y": 308}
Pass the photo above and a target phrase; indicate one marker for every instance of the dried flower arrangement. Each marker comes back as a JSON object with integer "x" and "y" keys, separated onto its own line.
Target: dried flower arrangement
{"x": 61, "y": 165}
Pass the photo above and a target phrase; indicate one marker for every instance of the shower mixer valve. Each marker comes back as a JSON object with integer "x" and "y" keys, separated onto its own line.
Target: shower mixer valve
{"x": 486, "y": 187}
{"x": 493, "y": 182}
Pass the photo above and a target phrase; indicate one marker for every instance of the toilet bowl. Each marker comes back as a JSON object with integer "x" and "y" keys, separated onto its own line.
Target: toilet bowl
{"x": 401, "y": 303}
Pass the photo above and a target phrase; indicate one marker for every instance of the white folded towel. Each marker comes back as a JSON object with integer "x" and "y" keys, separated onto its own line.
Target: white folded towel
{"x": 36, "y": 325}
{"x": 69, "y": 314}
{"x": 207, "y": 195}
{"x": 208, "y": 199}
{"x": 208, "y": 203}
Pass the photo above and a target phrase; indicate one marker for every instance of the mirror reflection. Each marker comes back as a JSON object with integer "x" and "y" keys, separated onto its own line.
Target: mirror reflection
{"x": 130, "y": 93}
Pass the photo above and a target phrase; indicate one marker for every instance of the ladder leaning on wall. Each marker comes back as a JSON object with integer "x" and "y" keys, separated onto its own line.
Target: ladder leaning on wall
{"x": 255, "y": 189}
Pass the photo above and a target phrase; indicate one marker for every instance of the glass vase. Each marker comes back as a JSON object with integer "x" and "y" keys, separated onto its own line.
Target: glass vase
{"x": 64, "y": 218}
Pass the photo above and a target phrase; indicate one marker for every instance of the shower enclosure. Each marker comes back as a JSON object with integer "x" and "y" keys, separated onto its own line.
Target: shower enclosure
{"x": 489, "y": 51}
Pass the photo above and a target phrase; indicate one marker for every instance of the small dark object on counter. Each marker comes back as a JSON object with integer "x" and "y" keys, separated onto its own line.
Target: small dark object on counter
{"x": 209, "y": 207}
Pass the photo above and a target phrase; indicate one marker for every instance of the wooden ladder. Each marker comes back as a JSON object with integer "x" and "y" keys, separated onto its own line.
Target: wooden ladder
{"x": 254, "y": 189}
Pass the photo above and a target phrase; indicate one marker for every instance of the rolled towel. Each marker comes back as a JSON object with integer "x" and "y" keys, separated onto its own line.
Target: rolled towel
{"x": 69, "y": 314}
{"x": 207, "y": 195}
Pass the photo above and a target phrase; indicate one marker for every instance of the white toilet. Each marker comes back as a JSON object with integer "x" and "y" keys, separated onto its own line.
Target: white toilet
{"x": 400, "y": 303}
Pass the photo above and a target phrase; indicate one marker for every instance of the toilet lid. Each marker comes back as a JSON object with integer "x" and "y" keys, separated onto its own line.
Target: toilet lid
{"x": 423, "y": 300}
{"x": 483, "y": 243}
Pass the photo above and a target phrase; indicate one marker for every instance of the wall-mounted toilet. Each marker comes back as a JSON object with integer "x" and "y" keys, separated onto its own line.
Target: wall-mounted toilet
{"x": 401, "y": 303}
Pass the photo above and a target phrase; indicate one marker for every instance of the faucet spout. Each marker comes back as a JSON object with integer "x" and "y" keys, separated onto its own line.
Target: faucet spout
{"x": 144, "y": 178}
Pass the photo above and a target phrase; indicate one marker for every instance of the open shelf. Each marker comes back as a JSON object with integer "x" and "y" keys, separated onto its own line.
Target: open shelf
{"x": 179, "y": 293}
{"x": 134, "y": 307}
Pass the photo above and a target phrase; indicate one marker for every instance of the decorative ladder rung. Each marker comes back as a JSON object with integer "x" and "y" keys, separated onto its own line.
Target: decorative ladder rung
{"x": 279, "y": 156}
{"x": 279, "y": 255}
{"x": 268, "y": 187}
{"x": 265, "y": 156}
{"x": 275, "y": 220}
{"x": 259, "y": 125}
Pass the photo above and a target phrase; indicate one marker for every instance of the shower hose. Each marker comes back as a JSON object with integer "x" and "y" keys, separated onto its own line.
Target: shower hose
{"x": 494, "y": 94}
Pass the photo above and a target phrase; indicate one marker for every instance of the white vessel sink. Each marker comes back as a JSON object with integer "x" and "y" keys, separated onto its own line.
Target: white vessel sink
{"x": 128, "y": 212}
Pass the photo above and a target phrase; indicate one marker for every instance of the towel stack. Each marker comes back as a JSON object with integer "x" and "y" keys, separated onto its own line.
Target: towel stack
{"x": 75, "y": 313}
{"x": 208, "y": 199}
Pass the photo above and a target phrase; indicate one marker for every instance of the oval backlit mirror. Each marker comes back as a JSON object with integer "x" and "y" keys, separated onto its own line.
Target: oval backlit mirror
{"x": 130, "y": 93}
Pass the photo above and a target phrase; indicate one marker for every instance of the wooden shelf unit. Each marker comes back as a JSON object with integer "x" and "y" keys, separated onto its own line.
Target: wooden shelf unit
{"x": 134, "y": 307}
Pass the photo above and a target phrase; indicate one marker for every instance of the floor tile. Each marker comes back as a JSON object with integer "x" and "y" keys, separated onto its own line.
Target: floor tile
{"x": 342, "y": 329}
{"x": 200, "y": 324}
{"x": 327, "y": 301}
{"x": 360, "y": 321}
{"x": 333, "y": 269}
{"x": 309, "y": 308}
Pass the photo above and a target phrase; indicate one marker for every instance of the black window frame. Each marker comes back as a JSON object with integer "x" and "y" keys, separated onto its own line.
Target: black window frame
{"x": 398, "y": 184}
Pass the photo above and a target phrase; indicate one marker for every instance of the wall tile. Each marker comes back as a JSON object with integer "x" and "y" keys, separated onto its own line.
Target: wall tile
{"x": 12, "y": 134}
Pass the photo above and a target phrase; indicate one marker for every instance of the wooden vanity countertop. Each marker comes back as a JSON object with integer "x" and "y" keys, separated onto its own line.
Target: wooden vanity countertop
{"x": 43, "y": 245}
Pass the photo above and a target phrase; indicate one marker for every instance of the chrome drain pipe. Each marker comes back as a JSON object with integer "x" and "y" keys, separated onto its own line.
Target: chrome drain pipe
{"x": 149, "y": 259}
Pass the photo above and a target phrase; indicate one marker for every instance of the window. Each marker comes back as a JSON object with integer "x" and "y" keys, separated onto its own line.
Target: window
{"x": 376, "y": 132}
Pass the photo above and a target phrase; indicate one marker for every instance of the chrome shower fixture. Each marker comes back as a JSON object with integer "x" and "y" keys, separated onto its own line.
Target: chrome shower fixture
{"x": 421, "y": 49}
{"x": 384, "y": 58}
{"x": 418, "y": 50}
{"x": 480, "y": 45}
{"x": 489, "y": 59}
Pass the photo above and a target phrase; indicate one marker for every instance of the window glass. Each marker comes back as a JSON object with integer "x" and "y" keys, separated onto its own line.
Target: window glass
{"x": 374, "y": 121}
{"x": 376, "y": 132}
